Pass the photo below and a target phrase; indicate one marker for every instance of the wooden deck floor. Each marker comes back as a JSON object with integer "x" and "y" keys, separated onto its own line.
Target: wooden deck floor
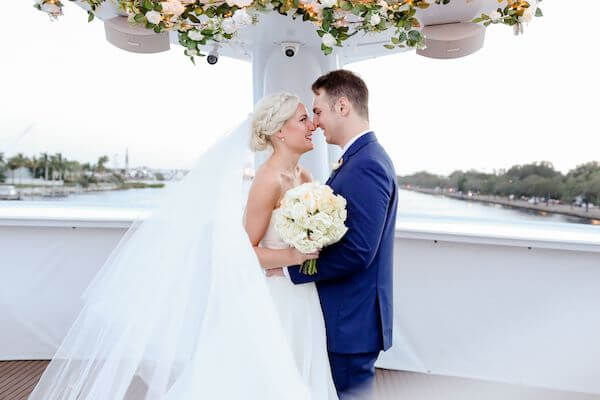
{"x": 17, "y": 379}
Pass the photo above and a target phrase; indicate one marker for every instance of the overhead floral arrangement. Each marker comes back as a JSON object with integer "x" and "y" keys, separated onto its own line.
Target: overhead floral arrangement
{"x": 517, "y": 13}
{"x": 199, "y": 22}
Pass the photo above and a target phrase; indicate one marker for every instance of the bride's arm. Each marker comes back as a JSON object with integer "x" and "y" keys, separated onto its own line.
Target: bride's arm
{"x": 262, "y": 199}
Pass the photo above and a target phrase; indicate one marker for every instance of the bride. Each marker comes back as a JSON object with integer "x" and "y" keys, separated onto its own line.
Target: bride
{"x": 181, "y": 309}
{"x": 281, "y": 122}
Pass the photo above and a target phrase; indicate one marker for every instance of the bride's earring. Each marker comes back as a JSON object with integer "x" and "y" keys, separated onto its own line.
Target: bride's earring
{"x": 282, "y": 139}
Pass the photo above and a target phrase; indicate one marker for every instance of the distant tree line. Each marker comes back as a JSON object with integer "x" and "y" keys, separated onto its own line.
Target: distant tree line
{"x": 538, "y": 179}
{"x": 56, "y": 167}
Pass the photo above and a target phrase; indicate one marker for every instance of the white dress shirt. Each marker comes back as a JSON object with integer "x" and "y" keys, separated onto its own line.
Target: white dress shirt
{"x": 344, "y": 149}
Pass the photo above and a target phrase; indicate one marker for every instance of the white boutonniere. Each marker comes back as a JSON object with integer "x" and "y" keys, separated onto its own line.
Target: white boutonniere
{"x": 338, "y": 164}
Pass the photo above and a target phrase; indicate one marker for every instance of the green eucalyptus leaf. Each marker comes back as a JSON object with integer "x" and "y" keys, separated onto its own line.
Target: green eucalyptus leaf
{"x": 415, "y": 35}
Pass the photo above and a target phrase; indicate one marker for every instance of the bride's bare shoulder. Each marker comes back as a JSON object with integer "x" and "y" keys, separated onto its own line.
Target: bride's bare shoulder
{"x": 267, "y": 175}
{"x": 267, "y": 183}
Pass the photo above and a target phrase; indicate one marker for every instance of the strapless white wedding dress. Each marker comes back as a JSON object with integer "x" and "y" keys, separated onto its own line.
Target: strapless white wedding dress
{"x": 300, "y": 311}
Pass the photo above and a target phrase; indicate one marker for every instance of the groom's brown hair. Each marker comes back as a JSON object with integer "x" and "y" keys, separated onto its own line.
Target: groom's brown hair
{"x": 340, "y": 83}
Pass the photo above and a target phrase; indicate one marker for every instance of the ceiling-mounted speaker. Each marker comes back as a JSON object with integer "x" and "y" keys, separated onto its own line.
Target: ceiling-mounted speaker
{"x": 135, "y": 38}
{"x": 454, "y": 40}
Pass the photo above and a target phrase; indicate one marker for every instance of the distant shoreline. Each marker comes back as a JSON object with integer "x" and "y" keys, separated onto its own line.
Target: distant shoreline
{"x": 26, "y": 192}
{"x": 592, "y": 214}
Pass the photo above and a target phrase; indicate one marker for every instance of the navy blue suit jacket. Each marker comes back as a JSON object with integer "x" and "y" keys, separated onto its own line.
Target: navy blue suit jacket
{"x": 354, "y": 276}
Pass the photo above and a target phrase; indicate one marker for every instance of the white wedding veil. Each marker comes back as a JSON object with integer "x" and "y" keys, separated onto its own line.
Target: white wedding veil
{"x": 181, "y": 309}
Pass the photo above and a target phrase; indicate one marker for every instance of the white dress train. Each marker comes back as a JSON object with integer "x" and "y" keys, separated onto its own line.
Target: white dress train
{"x": 182, "y": 310}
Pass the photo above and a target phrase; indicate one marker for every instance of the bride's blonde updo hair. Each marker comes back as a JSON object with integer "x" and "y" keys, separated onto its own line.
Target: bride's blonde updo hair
{"x": 270, "y": 113}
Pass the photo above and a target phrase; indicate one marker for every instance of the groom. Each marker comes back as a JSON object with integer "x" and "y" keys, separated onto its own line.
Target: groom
{"x": 354, "y": 276}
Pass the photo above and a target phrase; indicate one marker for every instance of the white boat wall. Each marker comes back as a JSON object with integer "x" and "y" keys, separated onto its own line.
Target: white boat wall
{"x": 515, "y": 304}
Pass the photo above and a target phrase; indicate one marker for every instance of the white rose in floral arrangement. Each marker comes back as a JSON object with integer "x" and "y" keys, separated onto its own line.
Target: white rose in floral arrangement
{"x": 297, "y": 211}
{"x": 340, "y": 19}
{"x": 153, "y": 17}
{"x": 528, "y": 14}
{"x": 229, "y": 26}
{"x": 172, "y": 7}
{"x": 384, "y": 6}
{"x": 195, "y": 34}
{"x": 495, "y": 15}
{"x": 51, "y": 9}
{"x": 239, "y": 3}
{"x": 328, "y": 3}
{"x": 375, "y": 19}
{"x": 328, "y": 40}
{"x": 242, "y": 18}
{"x": 203, "y": 19}
{"x": 186, "y": 2}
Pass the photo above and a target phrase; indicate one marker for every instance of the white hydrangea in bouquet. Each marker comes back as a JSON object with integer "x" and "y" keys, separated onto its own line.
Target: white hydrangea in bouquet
{"x": 311, "y": 217}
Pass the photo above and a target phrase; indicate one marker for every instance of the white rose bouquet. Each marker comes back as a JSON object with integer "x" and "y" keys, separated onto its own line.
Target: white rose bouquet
{"x": 310, "y": 218}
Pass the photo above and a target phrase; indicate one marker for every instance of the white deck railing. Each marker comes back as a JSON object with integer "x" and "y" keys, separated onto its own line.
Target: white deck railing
{"x": 501, "y": 302}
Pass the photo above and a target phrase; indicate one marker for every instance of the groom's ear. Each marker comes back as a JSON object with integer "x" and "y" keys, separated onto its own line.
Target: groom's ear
{"x": 344, "y": 106}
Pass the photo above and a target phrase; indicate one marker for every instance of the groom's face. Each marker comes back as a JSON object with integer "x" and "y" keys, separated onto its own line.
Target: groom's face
{"x": 325, "y": 116}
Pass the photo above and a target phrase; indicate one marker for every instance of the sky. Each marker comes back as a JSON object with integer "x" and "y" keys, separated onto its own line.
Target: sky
{"x": 64, "y": 88}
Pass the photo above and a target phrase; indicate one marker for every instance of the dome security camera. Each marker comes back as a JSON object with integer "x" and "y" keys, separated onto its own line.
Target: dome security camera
{"x": 290, "y": 49}
{"x": 212, "y": 58}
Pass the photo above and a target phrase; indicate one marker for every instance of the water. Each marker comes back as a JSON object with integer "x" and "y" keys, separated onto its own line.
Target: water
{"x": 411, "y": 205}
{"x": 146, "y": 198}
{"x": 414, "y": 204}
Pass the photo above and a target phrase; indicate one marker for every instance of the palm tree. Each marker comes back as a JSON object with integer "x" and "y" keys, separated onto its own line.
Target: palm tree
{"x": 62, "y": 164}
{"x": 58, "y": 164}
{"x": 44, "y": 158}
{"x": 16, "y": 162}
{"x": 54, "y": 166}
{"x": 72, "y": 168}
{"x": 2, "y": 166}
{"x": 33, "y": 165}
{"x": 101, "y": 161}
